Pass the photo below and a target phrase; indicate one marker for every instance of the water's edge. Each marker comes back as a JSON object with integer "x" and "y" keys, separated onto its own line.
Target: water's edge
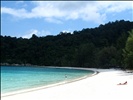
{"x": 51, "y": 85}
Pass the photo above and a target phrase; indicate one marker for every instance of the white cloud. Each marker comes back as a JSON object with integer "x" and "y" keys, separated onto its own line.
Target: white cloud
{"x": 30, "y": 33}
{"x": 67, "y": 31}
{"x": 52, "y": 20}
{"x": 119, "y": 6}
{"x": 20, "y": 13}
{"x": 36, "y": 32}
{"x": 55, "y": 11}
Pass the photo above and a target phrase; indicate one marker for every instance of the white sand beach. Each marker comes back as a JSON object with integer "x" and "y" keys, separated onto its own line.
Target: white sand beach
{"x": 102, "y": 86}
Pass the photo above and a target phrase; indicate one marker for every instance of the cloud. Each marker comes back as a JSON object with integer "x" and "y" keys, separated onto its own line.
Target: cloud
{"x": 52, "y": 20}
{"x": 36, "y": 32}
{"x": 58, "y": 11}
{"x": 119, "y": 6}
{"x": 20, "y": 13}
{"x": 67, "y": 31}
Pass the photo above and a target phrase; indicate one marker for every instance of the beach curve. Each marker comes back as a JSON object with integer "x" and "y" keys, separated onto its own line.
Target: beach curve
{"x": 102, "y": 86}
{"x": 51, "y": 85}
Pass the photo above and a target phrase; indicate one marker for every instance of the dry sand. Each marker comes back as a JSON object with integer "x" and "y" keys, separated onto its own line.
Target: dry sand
{"x": 102, "y": 86}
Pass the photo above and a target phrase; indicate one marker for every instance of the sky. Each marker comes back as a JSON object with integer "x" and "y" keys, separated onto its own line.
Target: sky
{"x": 42, "y": 18}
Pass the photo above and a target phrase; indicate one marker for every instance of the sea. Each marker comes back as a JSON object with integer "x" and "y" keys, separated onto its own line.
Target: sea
{"x": 16, "y": 78}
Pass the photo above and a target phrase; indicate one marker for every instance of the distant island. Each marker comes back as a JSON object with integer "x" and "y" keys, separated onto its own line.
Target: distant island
{"x": 106, "y": 46}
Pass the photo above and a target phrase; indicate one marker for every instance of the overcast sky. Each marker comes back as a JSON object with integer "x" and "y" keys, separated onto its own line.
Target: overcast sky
{"x": 24, "y": 18}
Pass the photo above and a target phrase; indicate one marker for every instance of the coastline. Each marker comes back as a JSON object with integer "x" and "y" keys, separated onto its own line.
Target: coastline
{"x": 102, "y": 86}
{"x": 51, "y": 85}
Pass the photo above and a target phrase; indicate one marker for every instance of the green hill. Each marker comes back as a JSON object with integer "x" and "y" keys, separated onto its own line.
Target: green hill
{"x": 100, "y": 47}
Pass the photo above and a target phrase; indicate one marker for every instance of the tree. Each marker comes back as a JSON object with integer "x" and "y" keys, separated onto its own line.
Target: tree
{"x": 128, "y": 51}
{"x": 107, "y": 57}
{"x": 85, "y": 56}
{"x": 91, "y": 47}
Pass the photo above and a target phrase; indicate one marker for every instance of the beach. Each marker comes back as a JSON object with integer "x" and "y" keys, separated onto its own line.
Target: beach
{"x": 102, "y": 86}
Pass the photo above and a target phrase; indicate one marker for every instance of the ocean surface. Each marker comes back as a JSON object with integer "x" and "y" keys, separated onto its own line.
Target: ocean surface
{"x": 19, "y": 78}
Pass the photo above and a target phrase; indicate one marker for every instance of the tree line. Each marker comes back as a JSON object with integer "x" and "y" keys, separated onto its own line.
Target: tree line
{"x": 109, "y": 45}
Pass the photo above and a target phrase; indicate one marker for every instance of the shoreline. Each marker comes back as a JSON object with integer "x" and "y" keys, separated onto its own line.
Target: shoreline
{"x": 102, "y": 86}
{"x": 50, "y": 85}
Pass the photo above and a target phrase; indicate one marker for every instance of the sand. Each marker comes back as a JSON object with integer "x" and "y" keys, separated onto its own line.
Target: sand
{"x": 102, "y": 86}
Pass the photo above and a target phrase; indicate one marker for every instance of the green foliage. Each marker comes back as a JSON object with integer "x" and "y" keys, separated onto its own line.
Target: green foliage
{"x": 128, "y": 51}
{"x": 99, "y": 47}
{"x": 85, "y": 55}
{"x": 107, "y": 57}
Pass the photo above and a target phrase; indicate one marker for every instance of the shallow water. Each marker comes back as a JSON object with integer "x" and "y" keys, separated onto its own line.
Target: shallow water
{"x": 19, "y": 78}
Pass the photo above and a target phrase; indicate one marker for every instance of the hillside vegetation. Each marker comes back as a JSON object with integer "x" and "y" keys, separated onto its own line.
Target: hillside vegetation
{"x": 106, "y": 46}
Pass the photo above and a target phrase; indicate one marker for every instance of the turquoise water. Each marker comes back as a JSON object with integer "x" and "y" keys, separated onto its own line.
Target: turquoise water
{"x": 18, "y": 78}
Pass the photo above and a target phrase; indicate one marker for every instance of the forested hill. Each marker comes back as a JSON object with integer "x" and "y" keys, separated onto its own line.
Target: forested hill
{"x": 100, "y": 47}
